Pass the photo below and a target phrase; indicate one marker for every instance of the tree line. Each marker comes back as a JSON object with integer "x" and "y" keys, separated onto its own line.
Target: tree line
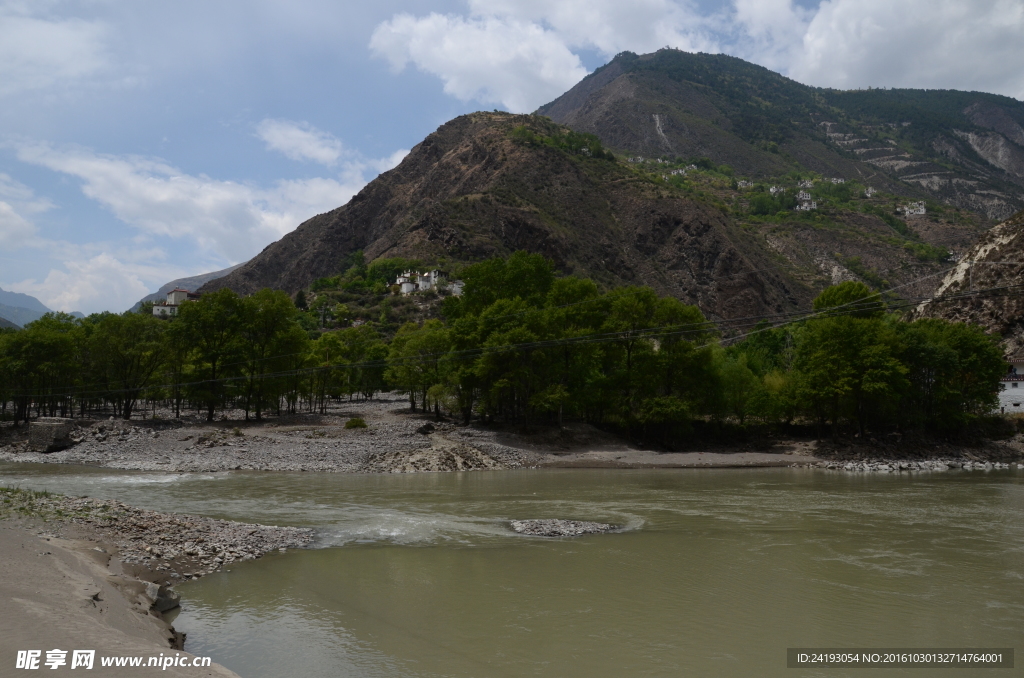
{"x": 521, "y": 345}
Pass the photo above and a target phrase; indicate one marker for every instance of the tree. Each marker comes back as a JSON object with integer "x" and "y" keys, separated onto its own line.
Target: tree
{"x": 212, "y": 324}
{"x": 129, "y": 348}
{"x": 265, "y": 320}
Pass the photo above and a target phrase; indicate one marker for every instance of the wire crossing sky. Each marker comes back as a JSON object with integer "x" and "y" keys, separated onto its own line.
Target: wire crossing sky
{"x": 143, "y": 142}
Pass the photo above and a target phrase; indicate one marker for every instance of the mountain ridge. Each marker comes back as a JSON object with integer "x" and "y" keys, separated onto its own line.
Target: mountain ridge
{"x": 470, "y": 191}
{"x": 962, "y": 148}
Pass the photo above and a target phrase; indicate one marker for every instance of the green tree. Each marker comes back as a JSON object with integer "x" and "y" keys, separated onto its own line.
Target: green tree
{"x": 266, "y": 321}
{"x": 129, "y": 348}
{"x": 212, "y": 323}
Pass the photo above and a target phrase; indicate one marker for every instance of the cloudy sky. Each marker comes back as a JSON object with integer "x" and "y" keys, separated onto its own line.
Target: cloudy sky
{"x": 145, "y": 141}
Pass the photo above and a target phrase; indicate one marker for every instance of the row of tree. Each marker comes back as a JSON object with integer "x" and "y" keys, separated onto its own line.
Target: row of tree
{"x": 521, "y": 345}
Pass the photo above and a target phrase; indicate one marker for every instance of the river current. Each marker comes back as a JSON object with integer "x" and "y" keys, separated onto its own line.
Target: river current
{"x": 713, "y": 572}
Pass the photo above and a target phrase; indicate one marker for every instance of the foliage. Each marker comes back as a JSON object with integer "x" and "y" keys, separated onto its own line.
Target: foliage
{"x": 522, "y": 346}
{"x": 565, "y": 140}
{"x": 355, "y": 422}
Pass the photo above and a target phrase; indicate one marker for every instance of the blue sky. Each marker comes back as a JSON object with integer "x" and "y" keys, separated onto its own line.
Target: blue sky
{"x": 141, "y": 142}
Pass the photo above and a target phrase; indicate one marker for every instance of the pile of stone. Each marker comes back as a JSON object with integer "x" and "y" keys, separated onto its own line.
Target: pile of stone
{"x": 883, "y": 466}
{"x": 178, "y": 546}
{"x": 554, "y": 527}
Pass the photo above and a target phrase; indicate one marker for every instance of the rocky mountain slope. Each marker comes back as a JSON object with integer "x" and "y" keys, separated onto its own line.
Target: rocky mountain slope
{"x": 965, "y": 149}
{"x": 994, "y": 271}
{"x": 714, "y": 155}
{"x": 473, "y": 189}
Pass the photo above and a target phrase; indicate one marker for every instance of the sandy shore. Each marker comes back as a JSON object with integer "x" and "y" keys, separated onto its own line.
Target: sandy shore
{"x": 91, "y": 574}
{"x": 66, "y": 594}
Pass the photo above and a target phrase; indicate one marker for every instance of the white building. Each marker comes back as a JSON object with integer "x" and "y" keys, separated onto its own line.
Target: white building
{"x": 807, "y": 206}
{"x": 807, "y": 183}
{"x": 745, "y": 184}
{"x": 175, "y": 298}
{"x": 1011, "y": 388}
{"x": 775, "y": 190}
{"x": 414, "y": 281}
{"x": 869, "y": 191}
{"x": 913, "y": 208}
{"x": 836, "y": 180}
{"x": 803, "y": 195}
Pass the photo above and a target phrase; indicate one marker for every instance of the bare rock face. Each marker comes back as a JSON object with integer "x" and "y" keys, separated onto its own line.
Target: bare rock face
{"x": 991, "y": 275}
{"x": 554, "y": 527}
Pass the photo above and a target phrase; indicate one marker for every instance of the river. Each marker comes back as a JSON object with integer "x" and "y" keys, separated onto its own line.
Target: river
{"x": 714, "y": 572}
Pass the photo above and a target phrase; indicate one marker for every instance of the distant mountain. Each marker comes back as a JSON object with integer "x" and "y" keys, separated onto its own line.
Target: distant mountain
{"x": 4, "y": 323}
{"x": 20, "y": 309}
{"x": 191, "y": 284}
{"x": 961, "y": 148}
{"x": 19, "y": 300}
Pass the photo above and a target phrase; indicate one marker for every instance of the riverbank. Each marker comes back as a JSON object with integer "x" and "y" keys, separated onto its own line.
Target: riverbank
{"x": 82, "y": 573}
{"x": 396, "y": 440}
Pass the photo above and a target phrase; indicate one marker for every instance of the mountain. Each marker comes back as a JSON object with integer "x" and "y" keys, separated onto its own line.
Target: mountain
{"x": 7, "y": 324}
{"x": 714, "y": 155}
{"x": 18, "y": 300}
{"x": 190, "y": 284}
{"x": 994, "y": 269}
{"x": 489, "y": 184}
{"x": 964, "y": 149}
{"x": 20, "y": 309}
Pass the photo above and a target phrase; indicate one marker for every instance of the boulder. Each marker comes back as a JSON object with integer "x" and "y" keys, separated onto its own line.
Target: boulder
{"x": 50, "y": 434}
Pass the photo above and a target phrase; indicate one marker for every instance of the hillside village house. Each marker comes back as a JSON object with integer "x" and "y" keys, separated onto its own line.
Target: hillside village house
{"x": 1011, "y": 387}
{"x": 175, "y": 298}
{"x": 412, "y": 281}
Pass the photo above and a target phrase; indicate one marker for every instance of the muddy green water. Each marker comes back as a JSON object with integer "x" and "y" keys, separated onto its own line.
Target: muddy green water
{"x": 715, "y": 572}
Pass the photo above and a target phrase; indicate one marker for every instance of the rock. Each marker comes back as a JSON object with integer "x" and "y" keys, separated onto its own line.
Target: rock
{"x": 559, "y": 528}
{"x": 50, "y": 434}
{"x": 426, "y": 429}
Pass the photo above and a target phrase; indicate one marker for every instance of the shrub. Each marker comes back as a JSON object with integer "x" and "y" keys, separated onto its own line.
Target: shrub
{"x": 355, "y": 422}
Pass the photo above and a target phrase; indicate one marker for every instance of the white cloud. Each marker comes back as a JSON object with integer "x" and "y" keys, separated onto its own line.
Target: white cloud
{"x": 233, "y": 220}
{"x": 300, "y": 141}
{"x": 38, "y": 51}
{"x": 14, "y": 228}
{"x": 224, "y": 221}
{"x": 522, "y": 53}
{"x": 98, "y": 282}
{"x": 915, "y": 43}
{"x": 17, "y": 203}
{"x": 611, "y": 26}
{"x": 517, "y": 64}
{"x": 390, "y": 162}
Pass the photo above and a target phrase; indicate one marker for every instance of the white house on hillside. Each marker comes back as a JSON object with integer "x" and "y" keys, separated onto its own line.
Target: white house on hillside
{"x": 1011, "y": 387}
{"x": 175, "y": 298}
{"x": 413, "y": 281}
